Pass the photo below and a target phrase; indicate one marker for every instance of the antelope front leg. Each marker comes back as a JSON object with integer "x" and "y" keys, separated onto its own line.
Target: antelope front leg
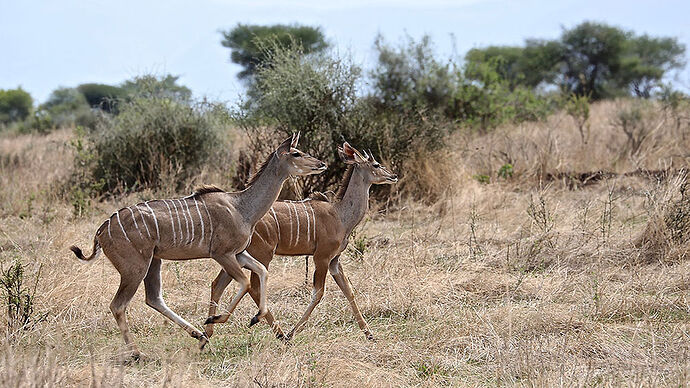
{"x": 336, "y": 270}
{"x": 232, "y": 268}
{"x": 247, "y": 261}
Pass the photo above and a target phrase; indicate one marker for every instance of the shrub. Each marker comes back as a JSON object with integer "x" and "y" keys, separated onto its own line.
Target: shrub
{"x": 15, "y": 105}
{"x": 152, "y": 140}
{"x": 312, "y": 94}
{"x": 638, "y": 120}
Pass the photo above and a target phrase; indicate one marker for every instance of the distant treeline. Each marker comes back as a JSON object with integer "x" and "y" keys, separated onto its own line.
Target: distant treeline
{"x": 402, "y": 109}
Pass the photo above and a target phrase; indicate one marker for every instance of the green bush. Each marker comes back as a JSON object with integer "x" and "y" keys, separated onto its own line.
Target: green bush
{"x": 313, "y": 94}
{"x": 152, "y": 142}
{"x": 15, "y": 105}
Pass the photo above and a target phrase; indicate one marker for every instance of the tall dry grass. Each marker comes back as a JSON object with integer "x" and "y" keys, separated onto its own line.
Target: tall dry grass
{"x": 523, "y": 281}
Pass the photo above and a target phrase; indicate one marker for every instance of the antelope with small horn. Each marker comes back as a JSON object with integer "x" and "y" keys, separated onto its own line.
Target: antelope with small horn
{"x": 208, "y": 223}
{"x": 315, "y": 227}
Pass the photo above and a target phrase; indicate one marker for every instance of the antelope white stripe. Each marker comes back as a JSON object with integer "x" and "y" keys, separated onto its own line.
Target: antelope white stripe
{"x": 172, "y": 221}
{"x": 210, "y": 221}
{"x": 191, "y": 219}
{"x": 290, "y": 214}
{"x": 306, "y": 213}
{"x": 277, "y": 223}
{"x": 186, "y": 221}
{"x": 135, "y": 222}
{"x": 155, "y": 220}
{"x": 179, "y": 221}
{"x": 256, "y": 232}
{"x": 109, "y": 235}
{"x": 313, "y": 216}
{"x": 200, "y": 220}
{"x": 143, "y": 220}
{"x": 297, "y": 216}
{"x": 121, "y": 227}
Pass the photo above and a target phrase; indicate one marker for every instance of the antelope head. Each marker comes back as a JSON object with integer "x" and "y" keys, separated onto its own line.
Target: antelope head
{"x": 372, "y": 171}
{"x": 296, "y": 161}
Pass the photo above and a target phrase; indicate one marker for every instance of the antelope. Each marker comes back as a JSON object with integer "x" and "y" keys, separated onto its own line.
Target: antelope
{"x": 209, "y": 223}
{"x": 315, "y": 227}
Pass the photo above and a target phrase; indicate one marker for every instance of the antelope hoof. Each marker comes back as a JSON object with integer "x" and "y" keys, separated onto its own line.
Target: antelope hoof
{"x": 214, "y": 319}
{"x": 202, "y": 342}
{"x": 369, "y": 336}
{"x": 255, "y": 319}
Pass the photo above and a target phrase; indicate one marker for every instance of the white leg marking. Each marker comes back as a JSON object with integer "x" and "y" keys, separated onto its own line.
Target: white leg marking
{"x": 135, "y": 222}
{"x": 121, "y": 227}
{"x": 191, "y": 219}
{"x": 306, "y": 213}
{"x": 143, "y": 220}
{"x": 155, "y": 220}
{"x": 296, "y": 216}
{"x": 313, "y": 217}
{"x": 186, "y": 221}
{"x": 179, "y": 222}
{"x": 210, "y": 221}
{"x": 172, "y": 222}
{"x": 275, "y": 218}
{"x": 200, "y": 220}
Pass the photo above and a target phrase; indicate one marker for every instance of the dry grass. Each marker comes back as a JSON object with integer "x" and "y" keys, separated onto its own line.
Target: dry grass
{"x": 516, "y": 282}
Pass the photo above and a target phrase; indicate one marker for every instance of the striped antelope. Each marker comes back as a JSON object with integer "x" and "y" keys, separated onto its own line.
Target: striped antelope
{"x": 312, "y": 227}
{"x": 208, "y": 223}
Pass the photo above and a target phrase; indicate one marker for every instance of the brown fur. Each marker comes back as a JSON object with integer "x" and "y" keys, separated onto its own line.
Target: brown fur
{"x": 205, "y": 189}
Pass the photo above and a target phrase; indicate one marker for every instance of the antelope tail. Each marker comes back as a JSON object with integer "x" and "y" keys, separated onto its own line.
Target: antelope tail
{"x": 96, "y": 248}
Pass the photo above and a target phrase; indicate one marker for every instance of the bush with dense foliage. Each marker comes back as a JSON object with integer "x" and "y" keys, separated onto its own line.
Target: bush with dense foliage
{"x": 154, "y": 141}
{"x": 15, "y": 105}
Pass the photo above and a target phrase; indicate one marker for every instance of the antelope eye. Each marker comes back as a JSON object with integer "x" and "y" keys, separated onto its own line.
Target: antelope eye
{"x": 376, "y": 165}
{"x": 296, "y": 154}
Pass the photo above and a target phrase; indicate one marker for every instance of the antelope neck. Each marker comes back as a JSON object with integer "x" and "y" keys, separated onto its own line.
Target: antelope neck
{"x": 256, "y": 200}
{"x": 355, "y": 202}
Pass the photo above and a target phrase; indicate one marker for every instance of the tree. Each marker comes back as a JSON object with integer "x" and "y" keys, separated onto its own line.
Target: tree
{"x": 15, "y": 105}
{"x": 248, "y": 48}
{"x": 591, "y": 59}
{"x": 102, "y": 96}
{"x": 64, "y": 100}
{"x": 649, "y": 59}
{"x": 160, "y": 87}
{"x": 529, "y": 66}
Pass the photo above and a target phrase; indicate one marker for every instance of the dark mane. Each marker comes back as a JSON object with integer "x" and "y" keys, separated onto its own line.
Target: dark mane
{"x": 205, "y": 189}
{"x": 345, "y": 182}
{"x": 260, "y": 170}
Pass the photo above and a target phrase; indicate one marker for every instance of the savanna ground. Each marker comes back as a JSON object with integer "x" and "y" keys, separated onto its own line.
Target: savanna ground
{"x": 524, "y": 280}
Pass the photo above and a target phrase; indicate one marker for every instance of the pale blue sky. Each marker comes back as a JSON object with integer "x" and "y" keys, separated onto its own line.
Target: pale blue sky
{"x": 46, "y": 44}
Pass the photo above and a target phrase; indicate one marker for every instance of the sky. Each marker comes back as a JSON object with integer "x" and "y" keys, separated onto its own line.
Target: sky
{"x": 47, "y": 44}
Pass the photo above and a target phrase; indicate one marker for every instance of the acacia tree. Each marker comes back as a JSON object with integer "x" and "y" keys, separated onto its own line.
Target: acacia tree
{"x": 248, "y": 48}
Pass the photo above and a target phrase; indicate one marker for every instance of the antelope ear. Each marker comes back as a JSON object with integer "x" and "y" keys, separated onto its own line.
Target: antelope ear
{"x": 345, "y": 157}
{"x": 284, "y": 147}
{"x": 350, "y": 150}
{"x": 295, "y": 140}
